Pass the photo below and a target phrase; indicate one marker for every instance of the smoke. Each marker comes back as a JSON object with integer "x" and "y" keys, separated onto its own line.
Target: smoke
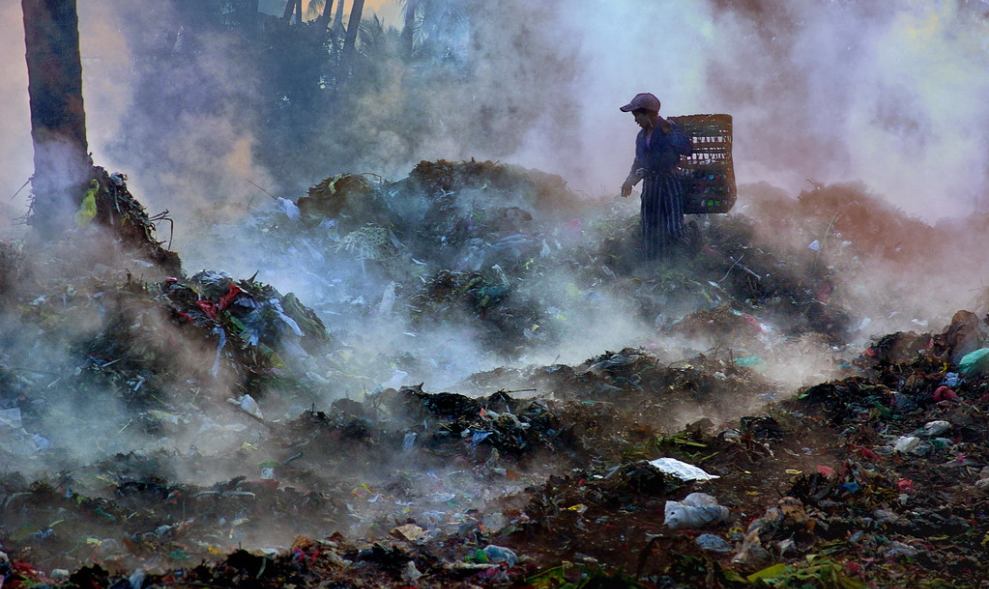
{"x": 15, "y": 126}
{"x": 887, "y": 93}
{"x": 832, "y": 91}
{"x": 829, "y": 91}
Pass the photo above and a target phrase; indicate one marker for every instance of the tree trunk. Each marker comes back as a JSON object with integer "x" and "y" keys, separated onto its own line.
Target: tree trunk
{"x": 289, "y": 9}
{"x": 408, "y": 29}
{"x": 353, "y": 27}
{"x": 338, "y": 28}
{"x": 58, "y": 120}
{"x": 324, "y": 18}
{"x": 338, "y": 22}
{"x": 252, "y": 17}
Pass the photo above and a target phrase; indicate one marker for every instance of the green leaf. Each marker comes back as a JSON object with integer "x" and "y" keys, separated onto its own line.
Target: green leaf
{"x": 767, "y": 573}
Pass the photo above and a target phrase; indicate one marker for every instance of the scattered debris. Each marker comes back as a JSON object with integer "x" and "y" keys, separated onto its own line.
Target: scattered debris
{"x": 210, "y": 431}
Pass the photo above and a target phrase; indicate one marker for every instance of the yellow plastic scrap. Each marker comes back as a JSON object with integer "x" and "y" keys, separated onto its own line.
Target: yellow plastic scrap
{"x": 87, "y": 210}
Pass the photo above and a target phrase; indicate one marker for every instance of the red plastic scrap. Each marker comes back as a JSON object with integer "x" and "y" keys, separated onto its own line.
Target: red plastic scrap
{"x": 826, "y": 471}
{"x": 943, "y": 393}
{"x": 854, "y": 568}
{"x": 753, "y": 323}
{"x": 904, "y": 485}
{"x": 23, "y": 574}
{"x": 863, "y": 452}
{"x": 959, "y": 459}
{"x": 207, "y": 307}
{"x": 182, "y": 315}
{"x": 226, "y": 300}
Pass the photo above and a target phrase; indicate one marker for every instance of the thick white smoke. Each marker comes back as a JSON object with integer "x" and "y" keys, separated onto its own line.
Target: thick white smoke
{"x": 888, "y": 93}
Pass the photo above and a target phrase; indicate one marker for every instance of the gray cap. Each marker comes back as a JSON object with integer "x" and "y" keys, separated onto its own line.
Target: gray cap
{"x": 645, "y": 101}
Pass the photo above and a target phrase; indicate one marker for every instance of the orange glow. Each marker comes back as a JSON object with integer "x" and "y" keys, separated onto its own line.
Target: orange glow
{"x": 375, "y": 5}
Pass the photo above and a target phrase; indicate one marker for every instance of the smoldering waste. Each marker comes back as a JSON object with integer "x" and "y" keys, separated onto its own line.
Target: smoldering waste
{"x": 160, "y": 429}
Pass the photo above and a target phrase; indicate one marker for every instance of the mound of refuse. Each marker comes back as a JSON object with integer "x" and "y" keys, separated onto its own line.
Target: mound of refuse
{"x": 736, "y": 422}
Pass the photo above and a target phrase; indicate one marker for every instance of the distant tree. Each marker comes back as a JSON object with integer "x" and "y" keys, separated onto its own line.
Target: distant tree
{"x": 293, "y": 7}
{"x": 373, "y": 38}
{"x": 435, "y": 28}
{"x": 336, "y": 32}
{"x": 58, "y": 120}
{"x": 338, "y": 23}
{"x": 322, "y": 12}
{"x": 353, "y": 26}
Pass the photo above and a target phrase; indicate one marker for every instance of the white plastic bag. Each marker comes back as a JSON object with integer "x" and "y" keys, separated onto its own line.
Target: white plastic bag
{"x": 697, "y": 510}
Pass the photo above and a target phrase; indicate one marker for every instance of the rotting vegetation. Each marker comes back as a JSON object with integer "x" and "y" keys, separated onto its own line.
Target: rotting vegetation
{"x": 210, "y": 431}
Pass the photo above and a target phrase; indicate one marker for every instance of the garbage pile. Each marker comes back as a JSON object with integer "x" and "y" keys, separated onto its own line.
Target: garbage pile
{"x": 515, "y": 258}
{"x": 146, "y": 359}
{"x": 206, "y": 430}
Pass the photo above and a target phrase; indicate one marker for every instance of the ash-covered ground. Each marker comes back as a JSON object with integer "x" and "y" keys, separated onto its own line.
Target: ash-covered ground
{"x": 468, "y": 378}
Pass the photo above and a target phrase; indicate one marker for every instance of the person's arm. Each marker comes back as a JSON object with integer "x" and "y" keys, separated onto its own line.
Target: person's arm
{"x": 634, "y": 176}
{"x": 632, "y": 179}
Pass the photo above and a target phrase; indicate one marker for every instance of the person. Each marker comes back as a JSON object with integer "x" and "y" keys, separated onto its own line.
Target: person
{"x": 658, "y": 148}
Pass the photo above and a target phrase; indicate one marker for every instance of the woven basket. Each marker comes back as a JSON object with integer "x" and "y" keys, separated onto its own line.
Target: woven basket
{"x": 708, "y": 175}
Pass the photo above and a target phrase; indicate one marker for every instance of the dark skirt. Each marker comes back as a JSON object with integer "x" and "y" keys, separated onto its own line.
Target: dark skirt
{"x": 662, "y": 215}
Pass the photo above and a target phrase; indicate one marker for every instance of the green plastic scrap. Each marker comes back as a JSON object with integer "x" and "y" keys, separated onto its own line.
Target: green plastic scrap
{"x": 753, "y": 362}
{"x": 87, "y": 209}
{"x": 974, "y": 362}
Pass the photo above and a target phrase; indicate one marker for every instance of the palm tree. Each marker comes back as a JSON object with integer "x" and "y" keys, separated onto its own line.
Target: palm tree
{"x": 374, "y": 39}
{"x": 327, "y": 12}
{"x": 338, "y": 27}
{"x": 353, "y": 26}
{"x": 58, "y": 120}
{"x": 433, "y": 22}
{"x": 293, "y": 6}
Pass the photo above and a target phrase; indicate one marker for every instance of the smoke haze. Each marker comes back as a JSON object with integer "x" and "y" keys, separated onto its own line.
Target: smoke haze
{"x": 891, "y": 94}
{"x": 831, "y": 91}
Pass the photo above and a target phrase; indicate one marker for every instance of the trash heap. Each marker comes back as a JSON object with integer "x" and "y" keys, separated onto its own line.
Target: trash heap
{"x": 515, "y": 257}
{"x": 211, "y": 431}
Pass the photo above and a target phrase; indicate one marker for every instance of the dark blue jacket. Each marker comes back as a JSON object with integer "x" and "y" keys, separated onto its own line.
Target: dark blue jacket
{"x": 662, "y": 154}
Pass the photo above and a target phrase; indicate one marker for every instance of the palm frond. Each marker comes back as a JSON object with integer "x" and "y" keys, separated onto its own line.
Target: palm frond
{"x": 432, "y": 19}
{"x": 372, "y": 36}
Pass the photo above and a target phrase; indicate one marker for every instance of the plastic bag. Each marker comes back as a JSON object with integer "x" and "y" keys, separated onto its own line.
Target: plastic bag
{"x": 974, "y": 362}
{"x": 697, "y": 510}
